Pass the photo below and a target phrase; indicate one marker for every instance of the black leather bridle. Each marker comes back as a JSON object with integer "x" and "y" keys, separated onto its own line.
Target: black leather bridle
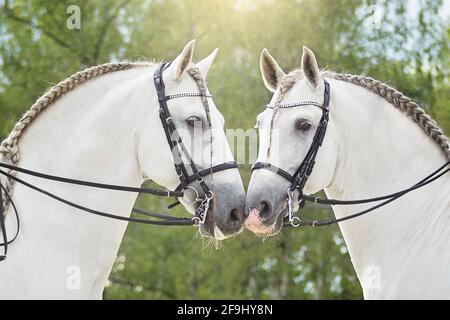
{"x": 300, "y": 177}
{"x": 178, "y": 151}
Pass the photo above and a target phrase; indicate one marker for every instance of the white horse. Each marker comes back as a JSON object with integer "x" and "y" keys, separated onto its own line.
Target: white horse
{"x": 371, "y": 148}
{"x": 107, "y": 130}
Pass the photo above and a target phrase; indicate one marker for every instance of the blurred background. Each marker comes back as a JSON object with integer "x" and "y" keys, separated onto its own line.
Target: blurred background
{"x": 404, "y": 43}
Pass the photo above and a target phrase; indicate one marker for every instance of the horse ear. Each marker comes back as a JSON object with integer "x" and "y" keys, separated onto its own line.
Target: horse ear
{"x": 310, "y": 68}
{"x": 270, "y": 70}
{"x": 205, "y": 64}
{"x": 181, "y": 63}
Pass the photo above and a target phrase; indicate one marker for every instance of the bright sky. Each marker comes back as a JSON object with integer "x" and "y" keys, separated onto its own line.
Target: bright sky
{"x": 446, "y": 10}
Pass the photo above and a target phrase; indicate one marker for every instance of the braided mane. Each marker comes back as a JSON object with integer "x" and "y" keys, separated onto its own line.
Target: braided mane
{"x": 10, "y": 146}
{"x": 414, "y": 111}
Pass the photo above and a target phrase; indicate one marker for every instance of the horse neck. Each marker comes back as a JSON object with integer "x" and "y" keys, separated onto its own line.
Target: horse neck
{"x": 90, "y": 134}
{"x": 382, "y": 151}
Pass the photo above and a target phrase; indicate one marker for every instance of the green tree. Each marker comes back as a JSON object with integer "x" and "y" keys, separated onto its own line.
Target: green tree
{"x": 389, "y": 40}
{"x": 38, "y": 50}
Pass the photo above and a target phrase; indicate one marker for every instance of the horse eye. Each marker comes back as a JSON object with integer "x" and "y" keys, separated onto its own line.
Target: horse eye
{"x": 193, "y": 121}
{"x": 303, "y": 125}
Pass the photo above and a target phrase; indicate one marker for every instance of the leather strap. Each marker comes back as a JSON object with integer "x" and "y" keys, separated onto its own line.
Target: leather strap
{"x": 7, "y": 242}
{"x": 300, "y": 177}
{"x": 207, "y": 172}
{"x": 273, "y": 168}
{"x": 152, "y": 191}
{"x": 173, "y": 139}
{"x": 168, "y": 222}
{"x": 325, "y": 222}
{"x": 178, "y": 151}
{"x": 2, "y": 226}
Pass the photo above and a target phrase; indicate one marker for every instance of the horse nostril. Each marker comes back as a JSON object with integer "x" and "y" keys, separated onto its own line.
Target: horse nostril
{"x": 263, "y": 208}
{"x": 235, "y": 215}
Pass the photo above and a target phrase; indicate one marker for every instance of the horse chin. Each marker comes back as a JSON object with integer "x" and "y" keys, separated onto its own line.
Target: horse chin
{"x": 278, "y": 224}
{"x": 218, "y": 234}
{"x": 210, "y": 230}
{"x": 207, "y": 229}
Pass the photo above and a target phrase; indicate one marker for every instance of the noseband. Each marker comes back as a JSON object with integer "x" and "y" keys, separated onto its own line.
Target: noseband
{"x": 301, "y": 175}
{"x": 178, "y": 152}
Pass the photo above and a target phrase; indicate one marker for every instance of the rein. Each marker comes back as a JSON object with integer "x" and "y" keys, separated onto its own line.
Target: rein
{"x": 300, "y": 177}
{"x": 178, "y": 151}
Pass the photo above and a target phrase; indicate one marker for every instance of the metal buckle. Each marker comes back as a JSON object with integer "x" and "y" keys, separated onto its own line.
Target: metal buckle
{"x": 293, "y": 220}
{"x": 211, "y": 195}
{"x": 197, "y": 196}
{"x": 196, "y": 221}
{"x": 180, "y": 175}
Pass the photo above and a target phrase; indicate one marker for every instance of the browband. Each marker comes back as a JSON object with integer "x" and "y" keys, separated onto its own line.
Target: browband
{"x": 297, "y": 104}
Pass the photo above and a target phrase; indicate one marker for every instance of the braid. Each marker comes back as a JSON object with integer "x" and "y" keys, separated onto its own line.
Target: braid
{"x": 393, "y": 96}
{"x": 403, "y": 103}
{"x": 10, "y": 146}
